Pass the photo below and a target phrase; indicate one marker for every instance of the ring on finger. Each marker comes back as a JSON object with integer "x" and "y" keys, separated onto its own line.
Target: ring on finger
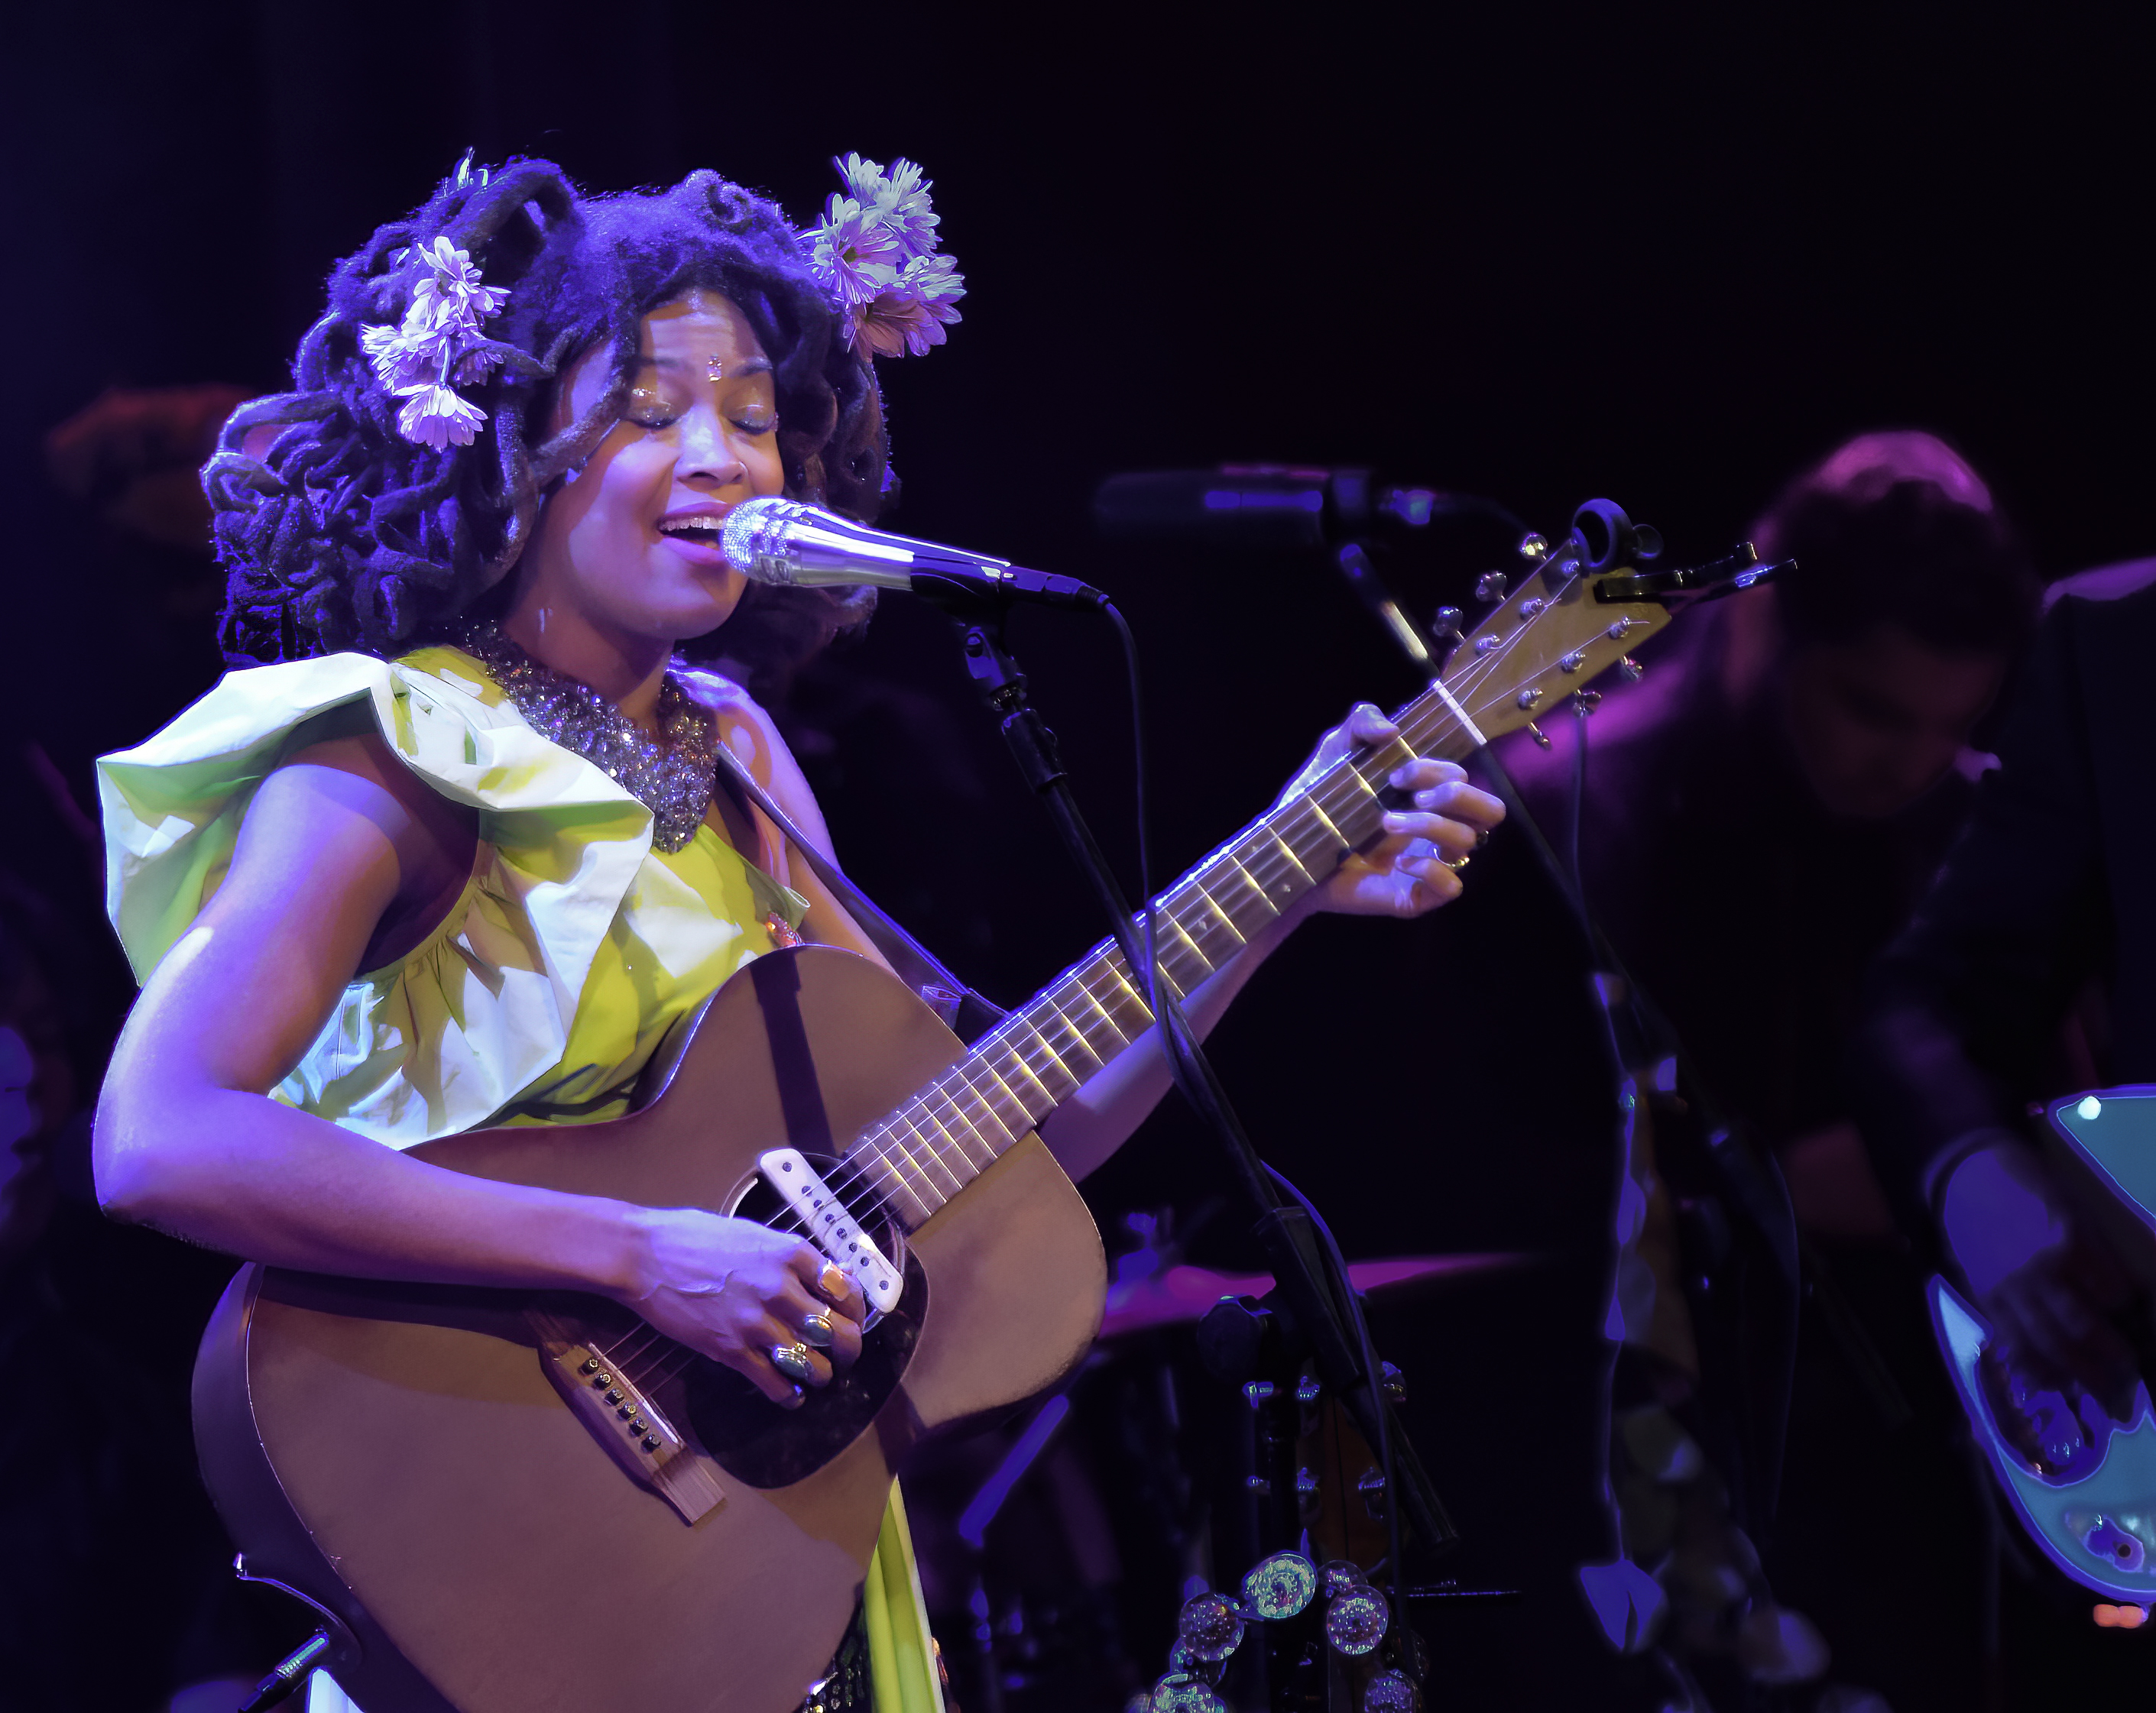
{"x": 792, "y": 1360}
{"x": 1455, "y": 863}
{"x": 832, "y": 1283}
{"x": 816, "y": 1328}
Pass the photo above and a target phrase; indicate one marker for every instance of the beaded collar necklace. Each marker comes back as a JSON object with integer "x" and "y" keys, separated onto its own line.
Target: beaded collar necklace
{"x": 673, "y": 778}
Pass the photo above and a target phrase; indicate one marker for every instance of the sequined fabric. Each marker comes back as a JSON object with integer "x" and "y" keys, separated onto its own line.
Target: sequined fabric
{"x": 672, "y": 779}
{"x": 845, "y": 1685}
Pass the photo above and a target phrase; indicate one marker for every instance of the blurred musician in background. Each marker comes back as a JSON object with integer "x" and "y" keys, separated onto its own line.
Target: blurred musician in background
{"x": 1754, "y": 823}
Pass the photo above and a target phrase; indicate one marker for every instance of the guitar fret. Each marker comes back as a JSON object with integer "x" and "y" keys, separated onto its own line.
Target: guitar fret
{"x": 1116, "y": 1019}
{"x": 950, "y": 1083}
{"x": 918, "y": 1184}
{"x": 1048, "y": 1046}
{"x": 1313, "y": 807}
{"x": 995, "y": 1099}
{"x": 1222, "y": 916}
{"x": 1055, "y": 1010}
{"x": 1019, "y": 1065}
{"x": 1135, "y": 1000}
{"x": 952, "y": 1140}
{"x": 1257, "y": 891}
{"x": 1288, "y": 851}
{"x": 1168, "y": 952}
{"x": 893, "y": 1186}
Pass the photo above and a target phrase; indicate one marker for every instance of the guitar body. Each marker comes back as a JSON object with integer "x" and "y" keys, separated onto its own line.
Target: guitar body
{"x": 400, "y": 1456}
{"x": 2082, "y": 1485}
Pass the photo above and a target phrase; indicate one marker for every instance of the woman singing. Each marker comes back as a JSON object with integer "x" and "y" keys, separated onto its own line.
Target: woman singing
{"x": 447, "y": 853}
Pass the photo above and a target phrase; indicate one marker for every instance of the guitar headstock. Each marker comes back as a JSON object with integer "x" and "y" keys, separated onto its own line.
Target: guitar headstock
{"x": 1582, "y": 608}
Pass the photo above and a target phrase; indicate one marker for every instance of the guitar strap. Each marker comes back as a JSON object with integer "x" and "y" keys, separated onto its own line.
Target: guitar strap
{"x": 961, "y": 1009}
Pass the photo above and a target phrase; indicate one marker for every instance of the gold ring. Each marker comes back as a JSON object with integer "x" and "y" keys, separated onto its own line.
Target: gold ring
{"x": 817, "y": 1330}
{"x": 792, "y": 1360}
{"x": 833, "y": 1282}
{"x": 1455, "y": 864}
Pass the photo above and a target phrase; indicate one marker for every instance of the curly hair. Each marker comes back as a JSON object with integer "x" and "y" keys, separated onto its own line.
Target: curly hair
{"x": 344, "y": 534}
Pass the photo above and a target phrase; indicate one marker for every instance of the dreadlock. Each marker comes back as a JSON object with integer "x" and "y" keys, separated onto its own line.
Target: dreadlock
{"x": 342, "y": 534}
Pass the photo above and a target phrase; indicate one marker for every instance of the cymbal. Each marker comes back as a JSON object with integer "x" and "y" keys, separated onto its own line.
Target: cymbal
{"x": 1182, "y": 1294}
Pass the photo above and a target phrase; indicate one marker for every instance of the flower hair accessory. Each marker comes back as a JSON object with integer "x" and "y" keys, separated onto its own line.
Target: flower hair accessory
{"x": 438, "y": 343}
{"x": 875, "y": 252}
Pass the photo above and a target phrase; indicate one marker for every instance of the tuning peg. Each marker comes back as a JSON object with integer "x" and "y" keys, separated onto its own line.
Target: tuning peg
{"x": 1585, "y": 701}
{"x": 1446, "y": 622}
{"x": 1632, "y": 670}
{"x": 1490, "y": 586}
{"x": 1536, "y": 733}
{"x": 1534, "y": 547}
{"x": 1529, "y": 696}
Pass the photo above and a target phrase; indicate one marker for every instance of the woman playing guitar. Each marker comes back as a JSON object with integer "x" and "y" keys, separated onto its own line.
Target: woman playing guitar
{"x": 448, "y": 852}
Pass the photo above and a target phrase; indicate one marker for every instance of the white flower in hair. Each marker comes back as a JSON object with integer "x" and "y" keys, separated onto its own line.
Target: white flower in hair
{"x": 908, "y": 212}
{"x": 853, "y": 251}
{"x": 435, "y": 416}
{"x": 875, "y": 251}
{"x": 451, "y": 294}
{"x": 439, "y": 342}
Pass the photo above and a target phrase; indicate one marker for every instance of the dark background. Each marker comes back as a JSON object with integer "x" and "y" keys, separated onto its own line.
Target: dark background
{"x": 1526, "y": 252}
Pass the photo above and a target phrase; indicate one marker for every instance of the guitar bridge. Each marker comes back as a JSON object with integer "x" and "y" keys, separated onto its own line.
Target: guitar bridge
{"x": 832, "y": 1228}
{"x": 625, "y": 1420}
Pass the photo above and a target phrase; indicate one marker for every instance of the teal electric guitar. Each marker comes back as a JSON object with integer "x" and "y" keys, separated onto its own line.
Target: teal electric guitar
{"x": 2083, "y": 1483}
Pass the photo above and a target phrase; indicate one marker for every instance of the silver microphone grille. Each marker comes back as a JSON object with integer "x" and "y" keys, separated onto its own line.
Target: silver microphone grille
{"x": 753, "y": 538}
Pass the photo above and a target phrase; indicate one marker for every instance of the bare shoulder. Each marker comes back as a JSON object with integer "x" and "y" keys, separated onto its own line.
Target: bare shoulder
{"x": 753, "y": 736}
{"x": 348, "y": 803}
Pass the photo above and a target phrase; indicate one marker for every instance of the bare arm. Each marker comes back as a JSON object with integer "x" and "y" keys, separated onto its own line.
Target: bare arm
{"x": 187, "y": 1139}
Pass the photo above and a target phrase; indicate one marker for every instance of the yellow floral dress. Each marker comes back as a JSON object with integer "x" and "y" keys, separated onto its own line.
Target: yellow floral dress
{"x": 574, "y": 947}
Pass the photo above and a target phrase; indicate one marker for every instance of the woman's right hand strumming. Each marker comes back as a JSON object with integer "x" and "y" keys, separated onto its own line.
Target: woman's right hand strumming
{"x": 736, "y": 1291}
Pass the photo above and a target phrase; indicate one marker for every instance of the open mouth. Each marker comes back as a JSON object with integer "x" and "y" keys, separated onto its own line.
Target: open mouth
{"x": 702, "y": 531}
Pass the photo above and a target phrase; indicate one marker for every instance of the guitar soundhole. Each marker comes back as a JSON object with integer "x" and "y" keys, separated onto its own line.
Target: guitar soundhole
{"x": 767, "y": 1445}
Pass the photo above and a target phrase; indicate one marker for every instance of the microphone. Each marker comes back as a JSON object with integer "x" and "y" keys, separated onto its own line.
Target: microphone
{"x": 1274, "y": 505}
{"x": 791, "y": 545}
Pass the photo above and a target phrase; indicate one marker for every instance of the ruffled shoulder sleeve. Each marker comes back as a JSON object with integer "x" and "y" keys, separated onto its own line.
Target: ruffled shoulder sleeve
{"x": 568, "y": 840}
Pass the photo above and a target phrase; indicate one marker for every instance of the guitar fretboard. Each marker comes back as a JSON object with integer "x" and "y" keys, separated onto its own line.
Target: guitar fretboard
{"x": 930, "y": 1149}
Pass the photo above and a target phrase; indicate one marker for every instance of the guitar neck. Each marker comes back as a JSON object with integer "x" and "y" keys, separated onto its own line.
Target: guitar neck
{"x": 930, "y": 1148}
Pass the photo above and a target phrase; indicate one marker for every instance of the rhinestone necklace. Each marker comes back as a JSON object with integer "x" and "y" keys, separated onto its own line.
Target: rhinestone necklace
{"x": 673, "y": 778}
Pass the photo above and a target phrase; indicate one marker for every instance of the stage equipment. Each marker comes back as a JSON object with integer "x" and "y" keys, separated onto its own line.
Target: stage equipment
{"x": 794, "y": 546}
{"x": 2080, "y": 1478}
{"x": 1276, "y": 505}
{"x": 511, "y": 1499}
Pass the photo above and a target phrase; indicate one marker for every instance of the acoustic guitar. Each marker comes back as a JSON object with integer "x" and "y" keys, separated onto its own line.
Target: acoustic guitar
{"x": 501, "y": 1501}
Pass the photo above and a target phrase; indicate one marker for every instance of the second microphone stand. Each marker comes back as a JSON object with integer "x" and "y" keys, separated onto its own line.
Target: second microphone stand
{"x": 1321, "y": 1322}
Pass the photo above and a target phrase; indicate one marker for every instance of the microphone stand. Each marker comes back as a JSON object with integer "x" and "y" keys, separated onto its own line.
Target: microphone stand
{"x": 1314, "y": 1315}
